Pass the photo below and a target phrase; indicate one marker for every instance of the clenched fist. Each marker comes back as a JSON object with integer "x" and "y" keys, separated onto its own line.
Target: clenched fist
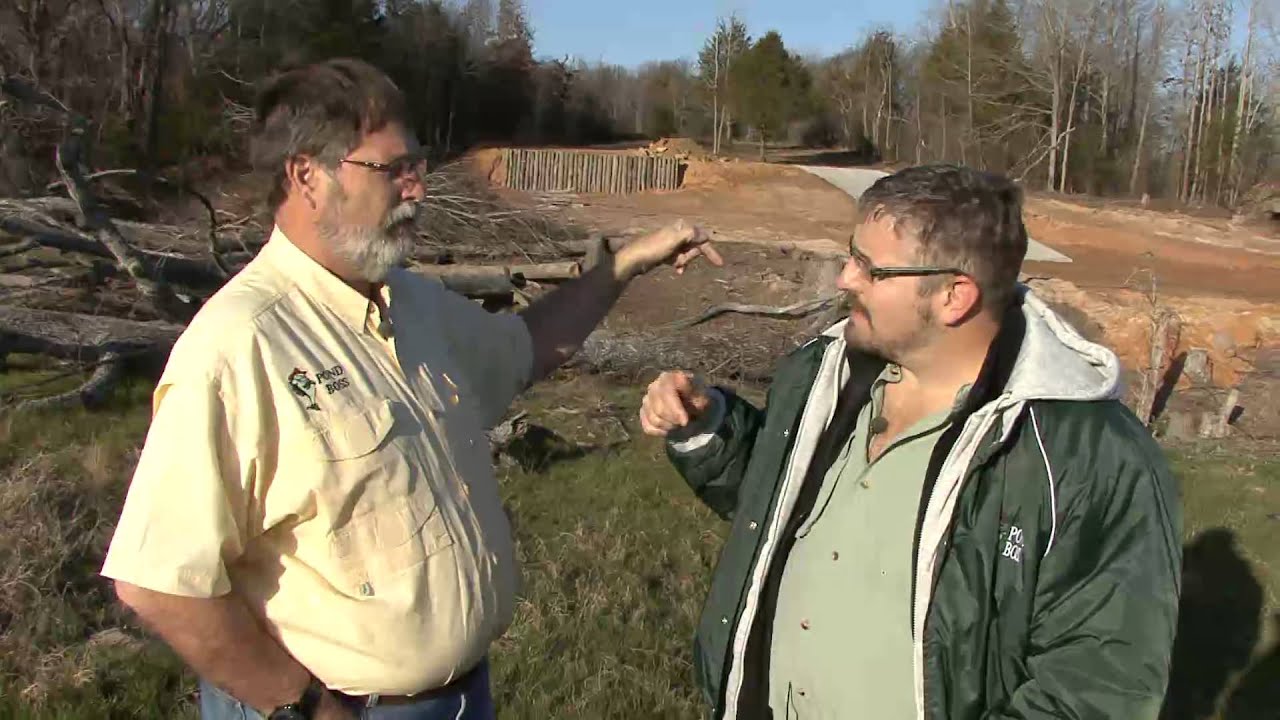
{"x": 674, "y": 401}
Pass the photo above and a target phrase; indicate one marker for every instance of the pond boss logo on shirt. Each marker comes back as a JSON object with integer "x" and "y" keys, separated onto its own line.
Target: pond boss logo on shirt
{"x": 332, "y": 380}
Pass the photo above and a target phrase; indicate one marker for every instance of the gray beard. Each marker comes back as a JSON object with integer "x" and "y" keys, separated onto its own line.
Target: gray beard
{"x": 369, "y": 253}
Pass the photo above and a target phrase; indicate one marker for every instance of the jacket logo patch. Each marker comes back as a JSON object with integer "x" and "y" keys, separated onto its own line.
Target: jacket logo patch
{"x": 1013, "y": 544}
{"x": 332, "y": 379}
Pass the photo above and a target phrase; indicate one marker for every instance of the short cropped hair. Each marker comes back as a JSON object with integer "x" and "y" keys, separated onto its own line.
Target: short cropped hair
{"x": 960, "y": 217}
{"x": 323, "y": 110}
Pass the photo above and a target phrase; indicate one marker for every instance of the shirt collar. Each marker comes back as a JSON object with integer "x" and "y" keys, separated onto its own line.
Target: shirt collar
{"x": 316, "y": 281}
{"x": 892, "y": 373}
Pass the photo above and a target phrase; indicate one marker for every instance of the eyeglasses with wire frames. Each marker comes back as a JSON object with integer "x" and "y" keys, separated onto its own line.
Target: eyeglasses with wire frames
{"x": 869, "y": 269}
{"x": 412, "y": 165}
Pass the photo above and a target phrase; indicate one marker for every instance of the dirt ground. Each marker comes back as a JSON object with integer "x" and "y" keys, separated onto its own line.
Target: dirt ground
{"x": 1191, "y": 256}
{"x": 782, "y": 230}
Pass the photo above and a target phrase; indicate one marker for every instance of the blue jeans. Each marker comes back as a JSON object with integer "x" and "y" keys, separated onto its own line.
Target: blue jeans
{"x": 470, "y": 701}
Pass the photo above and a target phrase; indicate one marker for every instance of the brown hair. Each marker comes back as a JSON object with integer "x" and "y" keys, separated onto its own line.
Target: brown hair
{"x": 960, "y": 217}
{"x": 323, "y": 110}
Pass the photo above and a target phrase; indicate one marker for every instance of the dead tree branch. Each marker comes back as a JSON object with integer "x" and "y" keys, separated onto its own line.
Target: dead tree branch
{"x": 796, "y": 310}
{"x": 219, "y": 263}
{"x": 32, "y": 219}
{"x": 90, "y": 215}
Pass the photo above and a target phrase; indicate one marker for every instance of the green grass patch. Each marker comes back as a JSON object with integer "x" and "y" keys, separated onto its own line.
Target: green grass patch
{"x": 1227, "y": 657}
{"x": 616, "y": 555}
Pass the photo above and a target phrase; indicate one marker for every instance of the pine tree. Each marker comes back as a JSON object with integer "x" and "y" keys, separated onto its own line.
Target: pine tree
{"x": 974, "y": 70}
{"x": 770, "y": 87}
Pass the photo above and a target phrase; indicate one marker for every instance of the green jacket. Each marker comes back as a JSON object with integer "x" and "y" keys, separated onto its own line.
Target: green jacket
{"x": 1047, "y": 563}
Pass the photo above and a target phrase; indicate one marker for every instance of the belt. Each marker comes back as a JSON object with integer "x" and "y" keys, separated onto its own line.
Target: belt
{"x": 449, "y": 688}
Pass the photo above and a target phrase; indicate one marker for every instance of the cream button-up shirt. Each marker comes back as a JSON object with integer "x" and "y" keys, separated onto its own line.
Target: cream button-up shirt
{"x": 330, "y": 466}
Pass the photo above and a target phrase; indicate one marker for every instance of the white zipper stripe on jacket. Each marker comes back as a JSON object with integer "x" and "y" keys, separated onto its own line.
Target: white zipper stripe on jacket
{"x": 1053, "y": 492}
{"x": 937, "y": 515}
{"x": 797, "y": 467}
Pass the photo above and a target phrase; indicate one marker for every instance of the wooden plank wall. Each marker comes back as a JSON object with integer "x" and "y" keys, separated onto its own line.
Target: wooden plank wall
{"x": 589, "y": 172}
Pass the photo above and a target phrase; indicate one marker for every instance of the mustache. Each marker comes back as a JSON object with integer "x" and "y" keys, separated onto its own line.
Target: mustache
{"x": 401, "y": 213}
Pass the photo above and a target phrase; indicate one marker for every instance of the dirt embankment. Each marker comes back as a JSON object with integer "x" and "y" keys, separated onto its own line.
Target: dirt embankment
{"x": 1190, "y": 256}
{"x": 1222, "y": 281}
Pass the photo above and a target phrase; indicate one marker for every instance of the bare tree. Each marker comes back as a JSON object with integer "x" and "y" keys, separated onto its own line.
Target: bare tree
{"x": 1154, "y": 56}
{"x": 1082, "y": 59}
{"x": 1246, "y": 86}
{"x": 715, "y": 66}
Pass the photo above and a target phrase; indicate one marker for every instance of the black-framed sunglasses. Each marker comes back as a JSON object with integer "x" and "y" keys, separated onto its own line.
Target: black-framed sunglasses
{"x": 867, "y": 268}
{"x": 412, "y": 164}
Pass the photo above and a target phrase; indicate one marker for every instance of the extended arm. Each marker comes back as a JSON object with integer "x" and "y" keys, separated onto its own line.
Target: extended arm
{"x": 560, "y": 322}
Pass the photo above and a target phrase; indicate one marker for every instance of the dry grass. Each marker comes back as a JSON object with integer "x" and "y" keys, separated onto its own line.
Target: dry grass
{"x": 616, "y": 555}
{"x": 65, "y": 650}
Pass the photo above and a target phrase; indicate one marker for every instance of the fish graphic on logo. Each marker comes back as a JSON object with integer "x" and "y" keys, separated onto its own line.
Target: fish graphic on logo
{"x": 304, "y": 387}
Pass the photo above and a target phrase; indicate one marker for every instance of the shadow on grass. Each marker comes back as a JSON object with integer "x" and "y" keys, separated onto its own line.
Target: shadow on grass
{"x": 1218, "y": 629}
{"x": 1257, "y": 693}
{"x": 537, "y": 448}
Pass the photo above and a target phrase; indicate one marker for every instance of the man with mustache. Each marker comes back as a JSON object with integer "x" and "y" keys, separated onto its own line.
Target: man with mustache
{"x": 314, "y": 524}
{"x": 944, "y": 511}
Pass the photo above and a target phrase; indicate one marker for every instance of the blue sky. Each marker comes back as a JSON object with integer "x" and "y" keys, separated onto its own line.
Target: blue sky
{"x": 631, "y": 32}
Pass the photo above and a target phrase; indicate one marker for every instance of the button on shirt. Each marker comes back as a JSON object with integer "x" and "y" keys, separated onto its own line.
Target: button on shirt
{"x": 841, "y": 642}
{"x": 328, "y": 464}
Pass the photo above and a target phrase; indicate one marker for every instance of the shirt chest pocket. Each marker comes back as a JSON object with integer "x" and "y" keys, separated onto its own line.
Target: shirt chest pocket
{"x": 382, "y": 517}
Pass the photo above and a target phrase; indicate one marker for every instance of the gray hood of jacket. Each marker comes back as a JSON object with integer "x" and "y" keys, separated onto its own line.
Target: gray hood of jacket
{"x": 1054, "y": 363}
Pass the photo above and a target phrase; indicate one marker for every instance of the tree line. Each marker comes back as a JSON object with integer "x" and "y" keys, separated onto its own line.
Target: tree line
{"x": 1107, "y": 97}
{"x": 1171, "y": 98}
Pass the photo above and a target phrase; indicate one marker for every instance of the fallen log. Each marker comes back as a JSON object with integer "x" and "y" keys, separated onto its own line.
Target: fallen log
{"x": 59, "y": 213}
{"x": 147, "y": 176}
{"x": 17, "y": 248}
{"x": 51, "y": 237}
{"x": 547, "y": 272}
{"x": 81, "y": 338}
{"x": 486, "y": 281}
{"x": 474, "y": 281}
{"x": 92, "y": 393}
{"x": 550, "y": 248}
{"x": 110, "y": 346}
{"x": 588, "y": 245}
{"x": 516, "y": 273}
{"x": 89, "y": 213}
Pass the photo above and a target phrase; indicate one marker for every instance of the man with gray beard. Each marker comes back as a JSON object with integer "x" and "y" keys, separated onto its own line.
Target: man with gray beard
{"x": 314, "y": 524}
